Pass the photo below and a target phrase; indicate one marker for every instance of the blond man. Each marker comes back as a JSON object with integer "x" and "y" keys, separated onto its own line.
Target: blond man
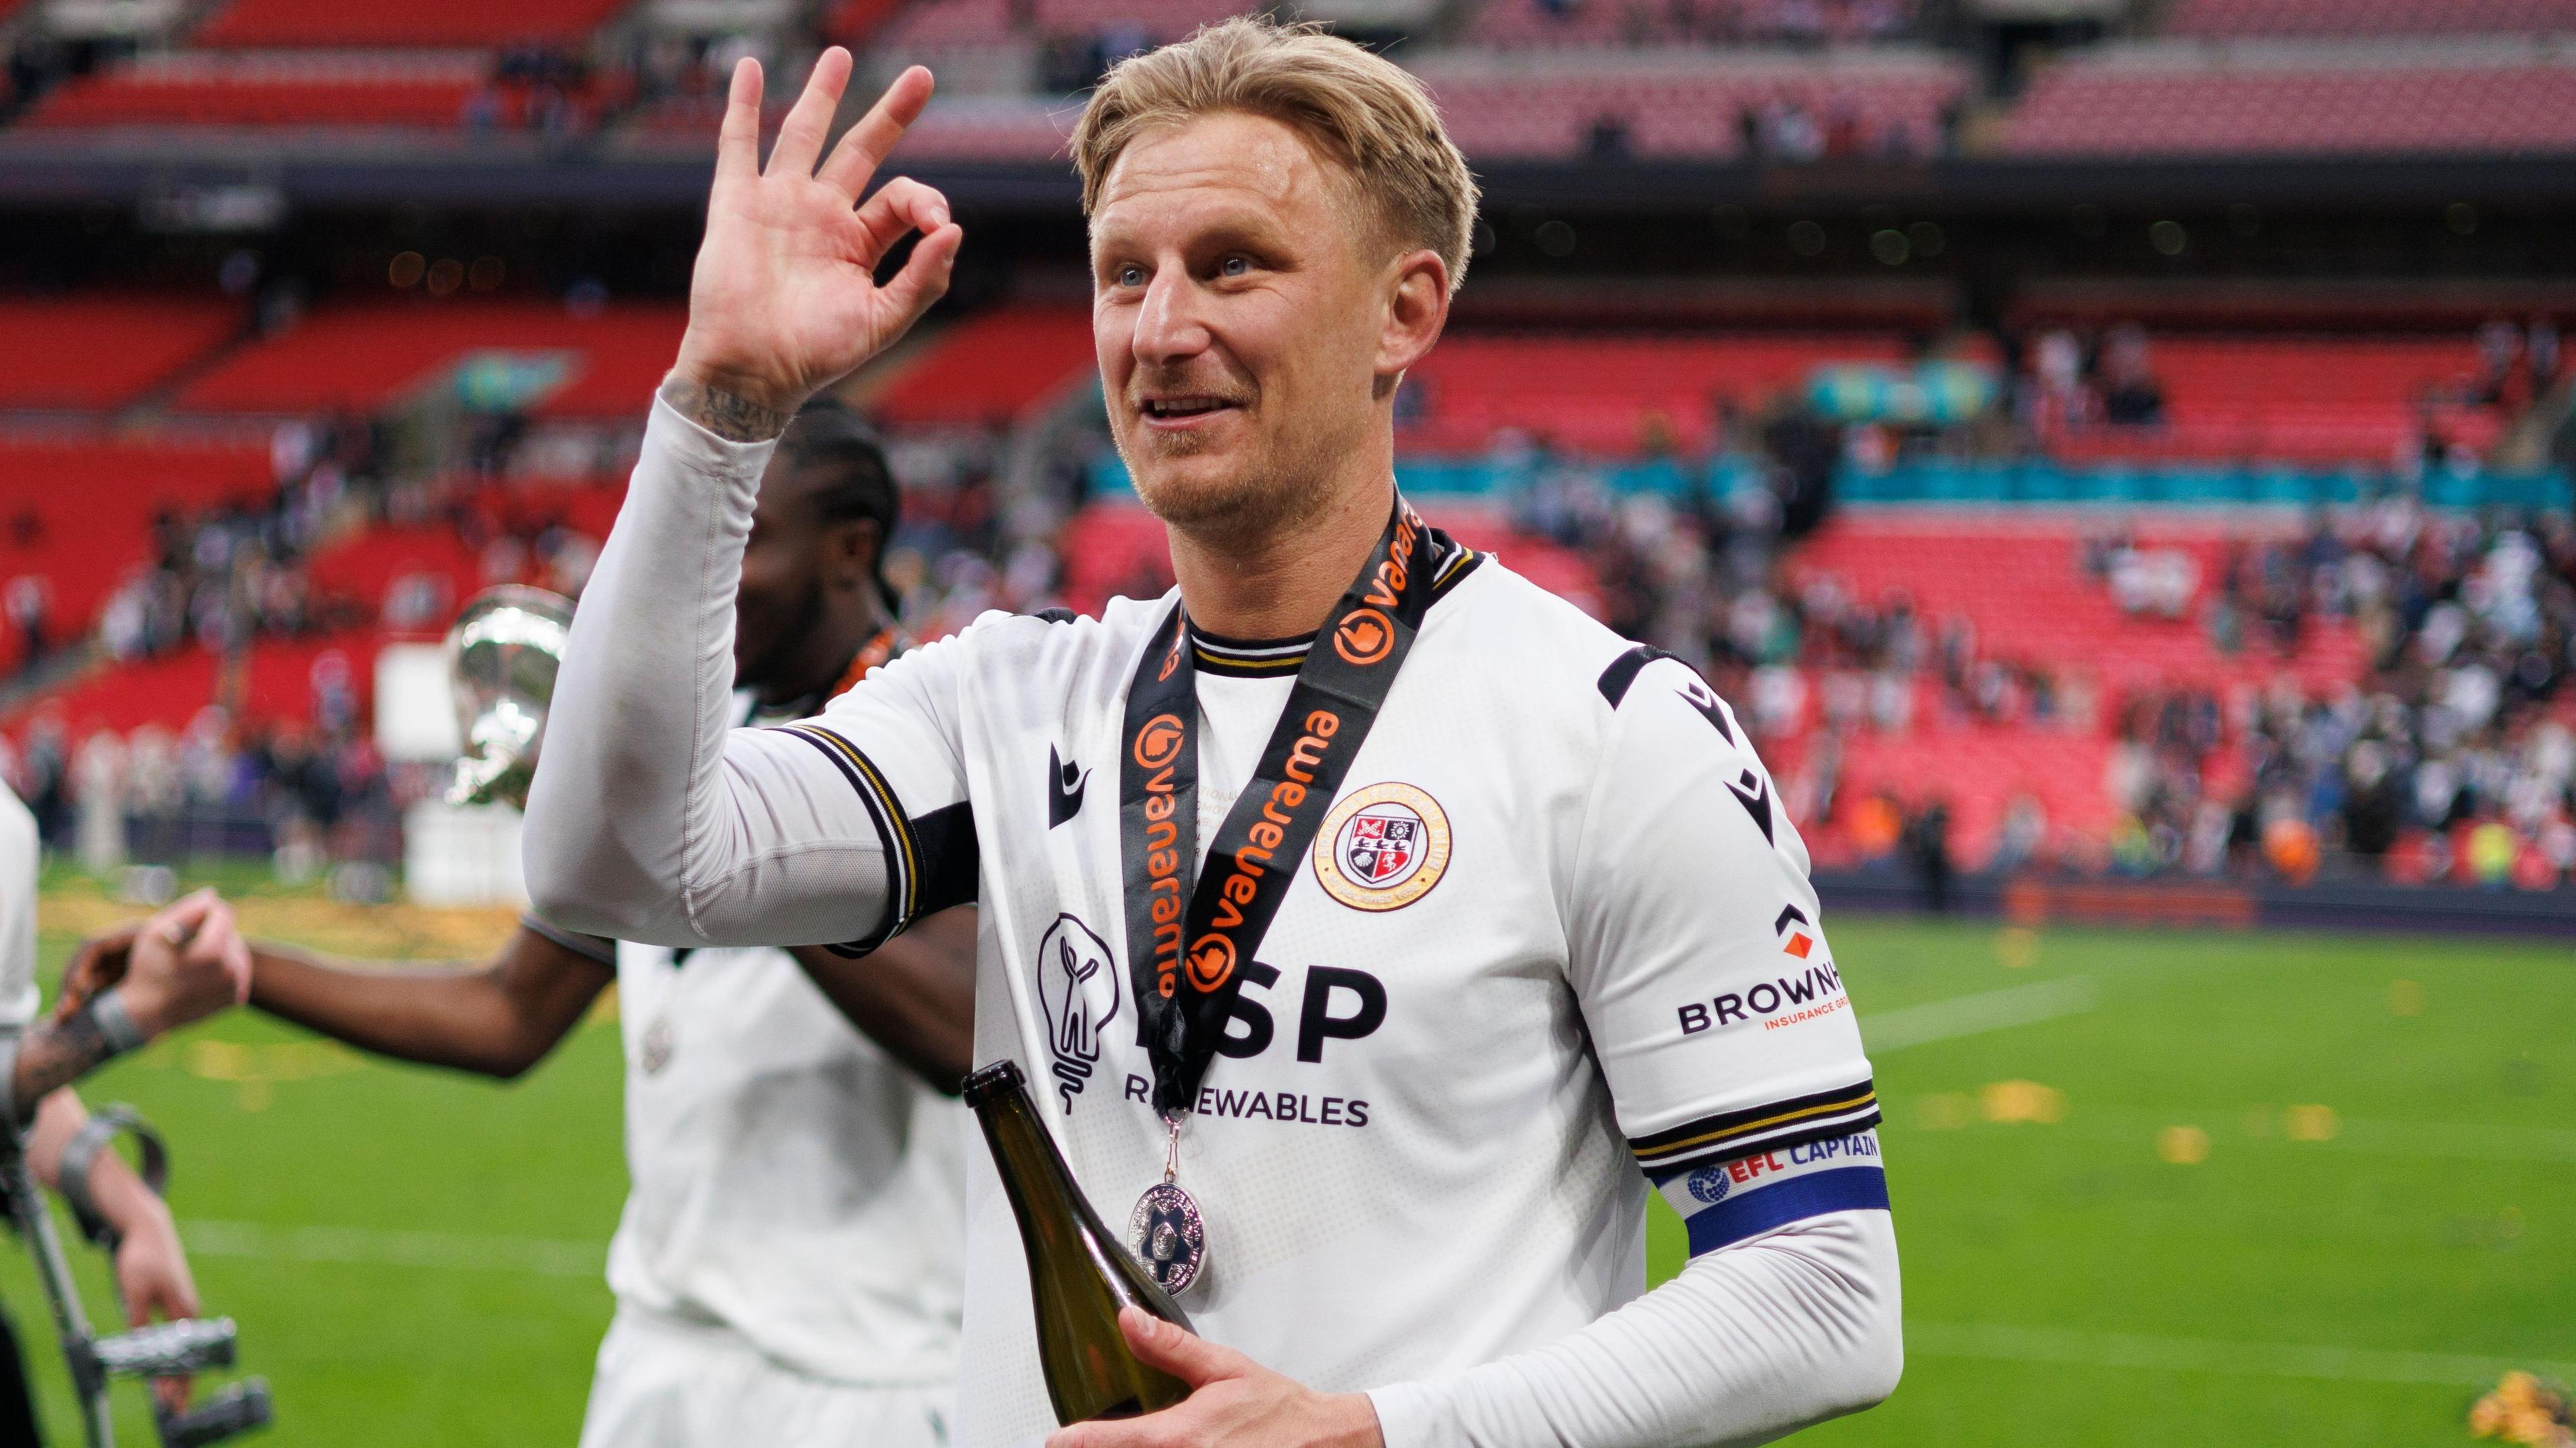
{"x": 1378, "y": 924}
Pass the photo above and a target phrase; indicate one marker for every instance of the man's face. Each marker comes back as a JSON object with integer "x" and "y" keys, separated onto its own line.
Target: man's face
{"x": 1238, "y": 307}
{"x": 781, "y": 596}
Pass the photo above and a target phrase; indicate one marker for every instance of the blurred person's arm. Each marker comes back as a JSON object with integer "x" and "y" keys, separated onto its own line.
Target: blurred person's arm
{"x": 496, "y": 1019}
{"x": 152, "y": 1277}
{"x": 122, "y": 990}
{"x": 913, "y": 995}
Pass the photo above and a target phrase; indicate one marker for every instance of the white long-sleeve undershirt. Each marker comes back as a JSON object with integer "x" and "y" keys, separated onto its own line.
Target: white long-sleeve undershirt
{"x": 650, "y": 820}
{"x": 1749, "y": 1343}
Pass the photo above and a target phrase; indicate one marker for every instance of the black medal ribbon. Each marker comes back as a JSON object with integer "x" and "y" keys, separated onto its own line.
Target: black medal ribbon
{"x": 1187, "y": 943}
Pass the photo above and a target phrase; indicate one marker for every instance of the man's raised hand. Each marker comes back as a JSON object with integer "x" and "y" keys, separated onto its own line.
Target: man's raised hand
{"x": 784, "y": 300}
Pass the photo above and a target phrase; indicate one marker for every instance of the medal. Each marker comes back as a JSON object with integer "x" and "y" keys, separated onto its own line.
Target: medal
{"x": 1188, "y": 939}
{"x": 1165, "y": 1232}
{"x": 654, "y": 1052}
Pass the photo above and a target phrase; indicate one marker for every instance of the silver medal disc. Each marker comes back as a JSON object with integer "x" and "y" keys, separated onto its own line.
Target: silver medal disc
{"x": 1169, "y": 1240}
{"x": 658, "y": 1043}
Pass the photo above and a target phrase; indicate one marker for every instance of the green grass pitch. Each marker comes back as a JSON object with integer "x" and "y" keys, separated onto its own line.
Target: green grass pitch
{"x": 2151, "y": 1188}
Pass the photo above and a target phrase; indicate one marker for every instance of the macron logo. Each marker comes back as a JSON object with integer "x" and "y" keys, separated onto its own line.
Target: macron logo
{"x": 1064, "y": 789}
{"x": 1756, "y": 801}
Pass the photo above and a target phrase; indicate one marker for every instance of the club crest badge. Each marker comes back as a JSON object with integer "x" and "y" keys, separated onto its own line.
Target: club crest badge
{"x": 1383, "y": 847}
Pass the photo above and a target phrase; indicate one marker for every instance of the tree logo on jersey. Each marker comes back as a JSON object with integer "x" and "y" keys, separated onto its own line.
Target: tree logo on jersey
{"x": 1077, "y": 988}
{"x": 1382, "y": 848}
{"x": 1708, "y": 1184}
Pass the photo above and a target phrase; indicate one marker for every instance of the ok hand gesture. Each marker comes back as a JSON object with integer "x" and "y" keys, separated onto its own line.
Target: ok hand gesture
{"x": 784, "y": 299}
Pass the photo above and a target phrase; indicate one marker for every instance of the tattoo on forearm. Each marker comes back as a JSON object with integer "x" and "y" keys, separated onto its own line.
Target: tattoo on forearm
{"x": 53, "y": 1055}
{"x": 733, "y": 418}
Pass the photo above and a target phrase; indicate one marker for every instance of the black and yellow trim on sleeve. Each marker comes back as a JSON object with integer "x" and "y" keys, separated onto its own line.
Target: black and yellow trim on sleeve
{"x": 1728, "y": 1134}
{"x": 894, "y": 832}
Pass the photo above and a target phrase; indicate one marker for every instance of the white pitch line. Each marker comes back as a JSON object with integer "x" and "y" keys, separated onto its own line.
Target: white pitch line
{"x": 2201, "y": 1355}
{"x": 373, "y": 1247}
{"x": 1993, "y": 1010}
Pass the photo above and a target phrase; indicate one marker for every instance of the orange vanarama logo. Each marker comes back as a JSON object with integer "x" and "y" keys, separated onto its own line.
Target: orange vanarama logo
{"x": 1363, "y": 637}
{"x": 1211, "y": 962}
{"x": 1158, "y": 741}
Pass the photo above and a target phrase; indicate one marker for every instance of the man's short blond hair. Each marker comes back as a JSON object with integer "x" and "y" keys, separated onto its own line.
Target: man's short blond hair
{"x": 1360, "y": 109}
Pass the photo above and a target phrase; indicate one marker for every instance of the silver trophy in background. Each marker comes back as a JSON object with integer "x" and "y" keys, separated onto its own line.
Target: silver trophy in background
{"x": 502, "y": 655}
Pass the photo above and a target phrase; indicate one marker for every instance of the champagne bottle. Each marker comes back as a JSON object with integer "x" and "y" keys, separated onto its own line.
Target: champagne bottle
{"x": 1079, "y": 1275}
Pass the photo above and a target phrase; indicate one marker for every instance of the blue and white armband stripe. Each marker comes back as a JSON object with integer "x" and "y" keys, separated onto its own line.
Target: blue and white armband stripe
{"x": 1730, "y": 1201}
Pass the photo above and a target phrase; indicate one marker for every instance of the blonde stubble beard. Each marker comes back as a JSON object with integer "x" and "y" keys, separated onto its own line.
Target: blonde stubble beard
{"x": 1273, "y": 496}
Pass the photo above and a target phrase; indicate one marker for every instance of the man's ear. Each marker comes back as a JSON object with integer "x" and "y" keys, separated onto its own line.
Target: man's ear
{"x": 1417, "y": 307}
{"x": 850, "y": 553}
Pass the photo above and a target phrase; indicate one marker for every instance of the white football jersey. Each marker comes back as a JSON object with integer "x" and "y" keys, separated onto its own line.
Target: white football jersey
{"x": 790, "y": 1180}
{"x": 1555, "y": 928}
{"x": 21, "y": 857}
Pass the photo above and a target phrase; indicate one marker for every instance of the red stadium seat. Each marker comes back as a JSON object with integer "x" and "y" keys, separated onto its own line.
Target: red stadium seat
{"x": 1601, "y": 395}
{"x": 2317, "y": 400}
{"x": 392, "y": 23}
{"x": 991, "y": 367}
{"x": 2232, "y": 19}
{"x": 76, "y": 511}
{"x": 1685, "y": 104}
{"x": 100, "y": 352}
{"x": 219, "y": 90}
{"x": 2159, "y": 102}
{"x": 362, "y": 356}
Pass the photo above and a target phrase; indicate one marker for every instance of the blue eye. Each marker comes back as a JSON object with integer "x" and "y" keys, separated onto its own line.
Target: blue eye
{"x": 1131, "y": 276}
{"x": 1235, "y": 266}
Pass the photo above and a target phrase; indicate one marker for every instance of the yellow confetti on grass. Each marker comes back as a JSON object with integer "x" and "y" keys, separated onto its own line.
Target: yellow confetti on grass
{"x": 257, "y": 1069}
{"x": 2310, "y": 1123}
{"x": 79, "y": 907}
{"x": 2183, "y": 1145}
{"x": 2017, "y": 946}
{"x": 2524, "y": 1410}
{"x": 2405, "y": 998}
{"x": 2022, "y": 1101}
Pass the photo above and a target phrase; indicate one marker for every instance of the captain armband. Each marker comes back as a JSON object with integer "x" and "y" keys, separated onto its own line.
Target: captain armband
{"x": 1743, "y": 1197}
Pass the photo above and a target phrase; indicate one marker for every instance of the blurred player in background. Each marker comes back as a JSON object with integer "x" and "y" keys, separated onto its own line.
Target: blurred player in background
{"x": 788, "y": 1268}
{"x": 186, "y": 962}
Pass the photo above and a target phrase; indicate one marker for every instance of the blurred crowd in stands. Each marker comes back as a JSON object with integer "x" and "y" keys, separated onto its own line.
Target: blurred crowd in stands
{"x": 2453, "y": 758}
{"x": 222, "y": 576}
